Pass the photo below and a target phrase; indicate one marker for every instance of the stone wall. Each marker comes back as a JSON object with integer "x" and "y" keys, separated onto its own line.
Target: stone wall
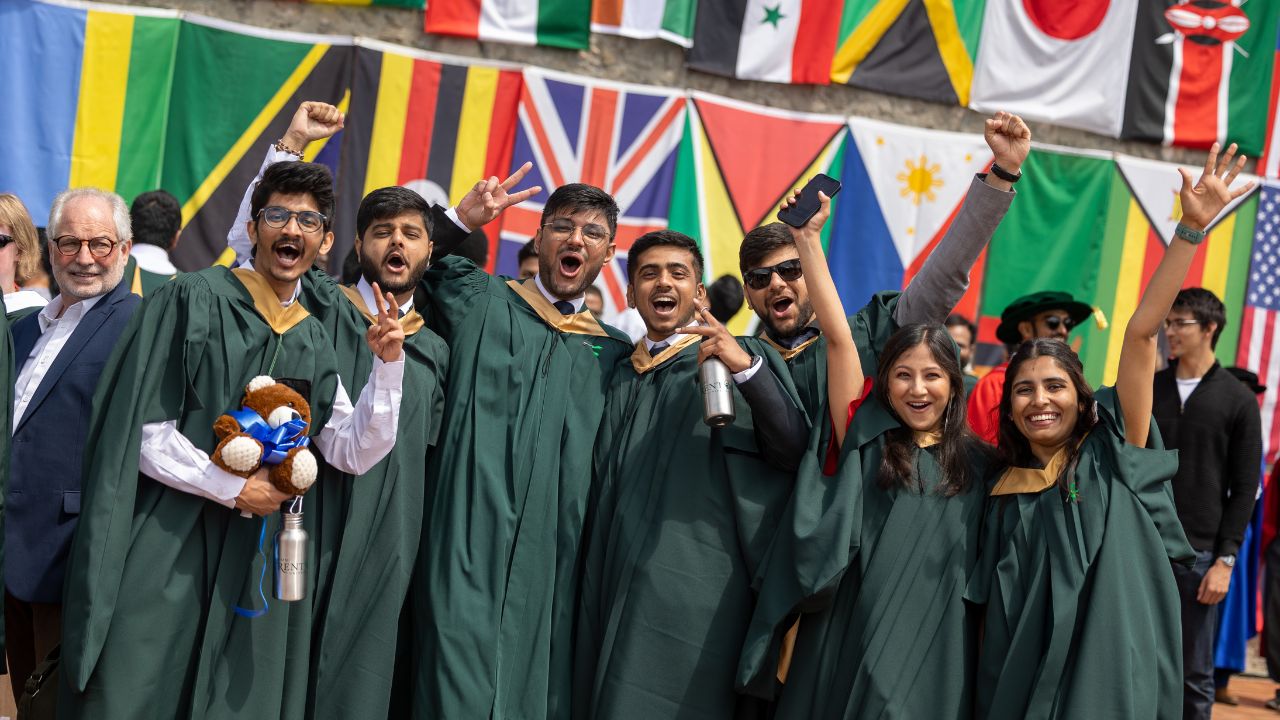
{"x": 652, "y": 62}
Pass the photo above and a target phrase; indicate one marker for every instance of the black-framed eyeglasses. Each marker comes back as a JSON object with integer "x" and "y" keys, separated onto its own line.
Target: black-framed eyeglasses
{"x": 1170, "y": 323}
{"x": 592, "y": 233}
{"x": 1053, "y": 322}
{"x": 277, "y": 217}
{"x": 5, "y": 241}
{"x": 759, "y": 278}
{"x": 69, "y": 245}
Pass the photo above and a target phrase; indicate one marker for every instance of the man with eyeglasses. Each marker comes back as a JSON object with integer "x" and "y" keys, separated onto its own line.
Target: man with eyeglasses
{"x": 168, "y": 613}
{"x": 1047, "y": 314}
{"x": 1213, "y": 421}
{"x": 59, "y": 353}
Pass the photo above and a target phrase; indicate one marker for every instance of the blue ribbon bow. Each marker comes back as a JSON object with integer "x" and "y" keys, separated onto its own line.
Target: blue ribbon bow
{"x": 276, "y": 442}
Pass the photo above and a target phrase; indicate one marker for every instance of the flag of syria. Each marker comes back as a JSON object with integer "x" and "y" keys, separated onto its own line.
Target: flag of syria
{"x": 1190, "y": 70}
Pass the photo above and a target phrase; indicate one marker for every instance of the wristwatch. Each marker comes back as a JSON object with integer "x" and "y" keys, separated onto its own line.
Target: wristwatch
{"x": 1228, "y": 560}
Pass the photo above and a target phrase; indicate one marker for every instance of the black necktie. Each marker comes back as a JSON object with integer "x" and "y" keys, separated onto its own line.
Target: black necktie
{"x": 564, "y": 306}
{"x": 658, "y": 347}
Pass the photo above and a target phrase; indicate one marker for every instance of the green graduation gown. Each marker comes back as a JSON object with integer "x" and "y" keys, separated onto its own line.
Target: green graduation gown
{"x": 153, "y": 576}
{"x": 682, "y": 516}
{"x": 880, "y": 575}
{"x": 143, "y": 282}
{"x": 497, "y": 580}
{"x": 376, "y": 517}
{"x": 1082, "y": 618}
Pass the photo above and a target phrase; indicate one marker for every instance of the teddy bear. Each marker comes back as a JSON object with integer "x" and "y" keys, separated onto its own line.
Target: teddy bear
{"x": 270, "y": 428}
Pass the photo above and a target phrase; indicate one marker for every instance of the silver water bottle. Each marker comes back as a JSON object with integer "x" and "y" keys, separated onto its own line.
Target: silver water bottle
{"x": 291, "y": 558}
{"x": 717, "y": 392}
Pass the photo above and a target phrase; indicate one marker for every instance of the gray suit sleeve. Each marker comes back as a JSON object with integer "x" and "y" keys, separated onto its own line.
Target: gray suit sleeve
{"x": 780, "y": 426}
{"x": 943, "y": 279}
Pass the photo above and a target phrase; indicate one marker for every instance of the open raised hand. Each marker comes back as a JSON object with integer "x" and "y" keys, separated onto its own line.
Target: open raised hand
{"x": 1202, "y": 201}
{"x": 488, "y": 198}
{"x": 386, "y": 336}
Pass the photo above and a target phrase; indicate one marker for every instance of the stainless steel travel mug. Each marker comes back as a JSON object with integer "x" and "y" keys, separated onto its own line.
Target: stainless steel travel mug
{"x": 717, "y": 392}
{"x": 291, "y": 559}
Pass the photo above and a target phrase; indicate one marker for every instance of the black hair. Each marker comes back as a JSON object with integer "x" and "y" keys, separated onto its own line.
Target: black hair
{"x": 391, "y": 202}
{"x": 897, "y": 466}
{"x": 156, "y": 217}
{"x": 1205, "y": 307}
{"x": 290, "y": 178}
{"x": 759, "y": 243}
{"x": 660, "y": 238}
{"x": 725, "y": 297}
{"x": 957, "y": 320}
{"x": 577, "y": 197}
{"x": 1015, "y": 450}
{"x": 527, "y": 251}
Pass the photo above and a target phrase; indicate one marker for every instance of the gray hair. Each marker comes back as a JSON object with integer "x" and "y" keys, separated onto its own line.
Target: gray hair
{"x": 119, "y": 210}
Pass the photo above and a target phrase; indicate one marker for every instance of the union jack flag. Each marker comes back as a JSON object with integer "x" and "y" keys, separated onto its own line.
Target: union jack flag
{"x": 620, "y": 138}
{"x": 1260, "y": 332}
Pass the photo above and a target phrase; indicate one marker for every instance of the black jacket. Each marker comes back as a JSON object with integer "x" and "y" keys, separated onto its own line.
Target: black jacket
{"x": 1218, "y": 435}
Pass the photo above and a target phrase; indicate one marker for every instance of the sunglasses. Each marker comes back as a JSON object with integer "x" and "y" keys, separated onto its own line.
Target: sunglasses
{"x": 759, "y": 278}
{"x": 1053, "y": 322}
{"x": 5, "y": 240}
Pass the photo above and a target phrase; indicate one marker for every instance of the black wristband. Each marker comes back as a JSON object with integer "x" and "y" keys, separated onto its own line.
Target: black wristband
{"x": 1005, "y": 175}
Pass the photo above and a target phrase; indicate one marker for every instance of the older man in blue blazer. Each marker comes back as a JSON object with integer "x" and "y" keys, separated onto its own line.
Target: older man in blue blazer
{"x": 58, "y": 355}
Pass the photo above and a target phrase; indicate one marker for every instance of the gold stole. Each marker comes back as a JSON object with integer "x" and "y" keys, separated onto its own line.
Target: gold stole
{"x": 1017, "y": 480}
{"x": 786, "y": 352}
{"x": 411, "y": 322}
{"x": 583, "y": 323}
{"x": 281, "y": 319}
{"x": 643, "y": 362}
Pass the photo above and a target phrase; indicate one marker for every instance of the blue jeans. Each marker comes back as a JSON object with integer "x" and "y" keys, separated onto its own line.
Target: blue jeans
{"x": 1198, "y": 624}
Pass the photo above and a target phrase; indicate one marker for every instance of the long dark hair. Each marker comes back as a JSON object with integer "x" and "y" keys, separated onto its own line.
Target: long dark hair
{"x": 897, "y": 467}
{"x": 1015, "y": 450}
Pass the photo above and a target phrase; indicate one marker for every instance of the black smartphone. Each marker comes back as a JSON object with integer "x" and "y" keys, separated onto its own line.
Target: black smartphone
{"x": 800, "y": 213}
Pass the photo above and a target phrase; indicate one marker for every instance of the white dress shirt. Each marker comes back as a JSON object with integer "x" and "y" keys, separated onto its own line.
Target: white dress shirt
{"x": 353, "y": 441}
{"x": 366, "y": 292}
{"x": 54, "y": 333}
{"x": 153, "y": 259}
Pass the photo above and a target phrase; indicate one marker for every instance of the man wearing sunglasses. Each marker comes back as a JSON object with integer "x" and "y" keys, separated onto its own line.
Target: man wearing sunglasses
{"x": 1212, "y": 420}
{"x": 1047, "y": 314}
{"x": 59, "y": 352}
{"x": 776, "y": 290}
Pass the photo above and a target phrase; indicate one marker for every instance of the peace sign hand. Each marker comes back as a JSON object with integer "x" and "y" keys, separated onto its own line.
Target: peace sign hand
{"x": 385, "y": 336}
{"x": 488, "y": 198}
{"x": 1202, "y": 202}
{"x": 718, "y": 342}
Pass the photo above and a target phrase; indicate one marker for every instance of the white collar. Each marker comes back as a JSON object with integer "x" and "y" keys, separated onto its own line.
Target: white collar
{"x": 366, "y": 292}
{"x": 297, "y": 288}
{"x": 49, "y": 315}
{"x": 577, "y": 302}
{"x": 153, "y": 259}
{"x": 669, "y": 340}
{"x": 23, "y": 299}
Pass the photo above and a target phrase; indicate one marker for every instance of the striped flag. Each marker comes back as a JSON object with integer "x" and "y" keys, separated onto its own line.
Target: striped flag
{"x": 556, "y": 23}
{"x": 1141, "y": 227}
{"x": 87, "y": 94}
{"x": 1200, "y": 72}
{"x": 255, "y": 79}
{"x": 786, "y": 41}
{"x": 670, "y": 20}
{"x": 1269, "y": 165}
{"x": 621, "y": 138}
{"x": 725, "y": 187}
{"x": 416, "y": 119}
{"x": 1260, "y": 334}
{"x": 412, "y": 4}
{"x": 918, "y": 48}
